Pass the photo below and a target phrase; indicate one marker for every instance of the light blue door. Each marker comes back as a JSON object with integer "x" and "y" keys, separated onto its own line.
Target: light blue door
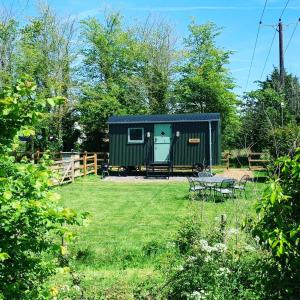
{"x": 162, "y": 142}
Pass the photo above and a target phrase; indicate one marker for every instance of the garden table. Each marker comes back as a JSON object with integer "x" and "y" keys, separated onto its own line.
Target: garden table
{"x": 212, "y": 180}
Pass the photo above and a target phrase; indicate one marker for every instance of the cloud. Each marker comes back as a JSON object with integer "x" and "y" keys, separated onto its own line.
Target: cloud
{"x": 97, "y": 11}
{"x": 237, "y": 70}
{"x": 189, "y": 8}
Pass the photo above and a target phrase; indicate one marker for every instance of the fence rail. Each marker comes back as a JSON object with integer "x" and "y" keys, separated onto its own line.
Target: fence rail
{"x": 57, "y": 156}
{"x": 256, "y": 161}
{"x": 69, "y": 169}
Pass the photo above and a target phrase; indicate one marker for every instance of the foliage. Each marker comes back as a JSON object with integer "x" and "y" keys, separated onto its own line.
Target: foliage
{"x": 278, "y": 227}
{"x": 204, "y": 84}
{"x": 125, "y": 71}
{"x": 20, "y": 110}
{"x": 290, "y": 91}
{"x": 31, "y": 219}
{"x": 284, "y": 140}
{"x": 267, "y": 109}
{"x": 211, "y": 268}
{"x": 8, "y": 37}
{"x": 261, "y": 115}
{"x": 46, "y": 55}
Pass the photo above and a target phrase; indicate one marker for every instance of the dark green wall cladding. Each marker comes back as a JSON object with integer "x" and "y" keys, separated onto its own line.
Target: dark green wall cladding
{"x": 121, "y": 153}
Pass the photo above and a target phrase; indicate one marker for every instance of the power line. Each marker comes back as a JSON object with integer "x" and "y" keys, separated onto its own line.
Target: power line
{"x": 269, "y": 52}
{"x": 255, "y": 44}
{"x": 292, "y": 35}
{"x": 273, "y": 38}
{"x": 287, "y": 2}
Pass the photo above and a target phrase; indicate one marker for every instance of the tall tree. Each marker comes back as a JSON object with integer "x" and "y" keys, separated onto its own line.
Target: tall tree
{"x": 158, "y": 63}
{"x": 204, "y": 83}
{"x": 270, "y": 116}
{"x": 110, "y": 76}
{"x": 45, "y": 54}
{"x": 8, "y": 40}
{"x": 290, "y": 91}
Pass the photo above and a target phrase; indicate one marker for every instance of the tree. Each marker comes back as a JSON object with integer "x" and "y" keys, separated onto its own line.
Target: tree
{"x": 157, "y": 67}
{"x": 278, "y": 225}
{"x": 268, "y": 112}
{"x": 261, "y": 114}
{"x": 109, "y": 75}
{"x": 204, "y": 83}
{"x": 8, "y": 37}
{"x": 45, "y": 53}
{"x": 290, "y": 92}
{"x": 31, "y": 219}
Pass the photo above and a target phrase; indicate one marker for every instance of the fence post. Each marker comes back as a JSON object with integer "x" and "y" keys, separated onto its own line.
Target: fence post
{"x": 249, "y": 160}
{"x": 73, "y": 170}
{"x": 228, "y": 156}
{"x": 37, "y": 156}
{"x": 84, "y": 163}
{"x": 95, "y": 163}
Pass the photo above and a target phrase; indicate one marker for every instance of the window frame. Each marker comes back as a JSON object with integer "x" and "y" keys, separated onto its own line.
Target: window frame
{"x": 129, "y": 141}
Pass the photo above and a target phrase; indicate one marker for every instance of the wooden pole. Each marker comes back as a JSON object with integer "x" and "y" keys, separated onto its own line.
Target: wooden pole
{"x": 281, "y": 53}
{"x": 73, "y": 170}
{"x": 95, "y": 163}
{"x": 84, "y": 163}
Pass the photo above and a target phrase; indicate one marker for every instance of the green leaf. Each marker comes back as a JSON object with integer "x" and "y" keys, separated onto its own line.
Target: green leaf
{"x": 7, "y": 195}
{"x": 3, "y": 256}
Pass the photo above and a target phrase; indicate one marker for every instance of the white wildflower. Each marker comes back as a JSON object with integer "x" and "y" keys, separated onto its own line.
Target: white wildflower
{"x": 223, "y": 271}
{"x": 197, "y": 295}
{"x": 191, "y": 258}
{"x": 220, "y": 247}
{"x": 180, "y": 268}
{"x": 249, "y": 248}
{"x": 208, "y": 258}
{"x": 170, "y": 245}
{"x": 232, "y": 231}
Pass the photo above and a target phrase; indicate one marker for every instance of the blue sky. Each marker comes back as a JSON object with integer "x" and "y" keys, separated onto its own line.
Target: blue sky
{"x": 239, "y": 18}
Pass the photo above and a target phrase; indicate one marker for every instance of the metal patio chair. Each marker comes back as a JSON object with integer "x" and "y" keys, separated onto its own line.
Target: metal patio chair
{"x": 196, "y": 186}
{"x": 226, "y": 189}
{"x": 241, "y": 184}
{"x": 204, "y": 174}
{"x": 104, "y": 169}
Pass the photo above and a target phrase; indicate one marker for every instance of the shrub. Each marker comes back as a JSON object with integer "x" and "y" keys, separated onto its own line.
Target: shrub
{"x": 31, "y": 222}
{"x": 278, "y": 228}
{"x": 207, "y": 268}
{"x": 284, "y": 140}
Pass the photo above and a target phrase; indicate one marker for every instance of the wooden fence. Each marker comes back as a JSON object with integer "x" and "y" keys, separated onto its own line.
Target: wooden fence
{"x": 37, "y": 155}
{"x": 68, "y": 169}
{"x": 225, "y": 160}
{"x": 257, "y": 161}
{"x": 67, "y": 165}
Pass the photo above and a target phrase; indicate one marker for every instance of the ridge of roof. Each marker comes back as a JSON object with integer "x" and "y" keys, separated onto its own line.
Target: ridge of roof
{"x": 194, "y": 117}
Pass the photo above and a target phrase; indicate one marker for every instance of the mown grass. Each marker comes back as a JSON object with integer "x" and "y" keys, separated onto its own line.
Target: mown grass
{"x": 131, "y": 225}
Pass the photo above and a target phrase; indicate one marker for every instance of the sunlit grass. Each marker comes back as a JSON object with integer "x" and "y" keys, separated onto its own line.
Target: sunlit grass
{"x": 128, "y": 218}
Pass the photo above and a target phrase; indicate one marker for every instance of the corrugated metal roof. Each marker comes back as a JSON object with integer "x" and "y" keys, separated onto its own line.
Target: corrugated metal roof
{"x": 164, "y": 118}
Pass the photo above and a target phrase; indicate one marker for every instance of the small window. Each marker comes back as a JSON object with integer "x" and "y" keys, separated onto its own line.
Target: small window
{"x": 135, "y": 135}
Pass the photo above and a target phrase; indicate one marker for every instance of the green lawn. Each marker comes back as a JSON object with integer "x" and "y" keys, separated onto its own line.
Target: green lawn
{"x": 130, "y": 219}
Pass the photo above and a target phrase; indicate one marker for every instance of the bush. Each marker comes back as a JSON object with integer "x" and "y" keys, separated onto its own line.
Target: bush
{"x": 31, "y": 222}
{"x": 284, "y": 140}
{"x": 204, "y": 267}
{"x": 278, "y": 228}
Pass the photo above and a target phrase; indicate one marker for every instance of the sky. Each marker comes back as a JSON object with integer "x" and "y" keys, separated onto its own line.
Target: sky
{"x": 238, "y": 18}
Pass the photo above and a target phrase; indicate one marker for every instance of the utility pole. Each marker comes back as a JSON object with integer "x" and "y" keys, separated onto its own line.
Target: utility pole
{"x": 281, "y": 54}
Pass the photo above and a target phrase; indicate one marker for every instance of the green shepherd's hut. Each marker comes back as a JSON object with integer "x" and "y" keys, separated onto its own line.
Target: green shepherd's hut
{"x": 165, "y": 140}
